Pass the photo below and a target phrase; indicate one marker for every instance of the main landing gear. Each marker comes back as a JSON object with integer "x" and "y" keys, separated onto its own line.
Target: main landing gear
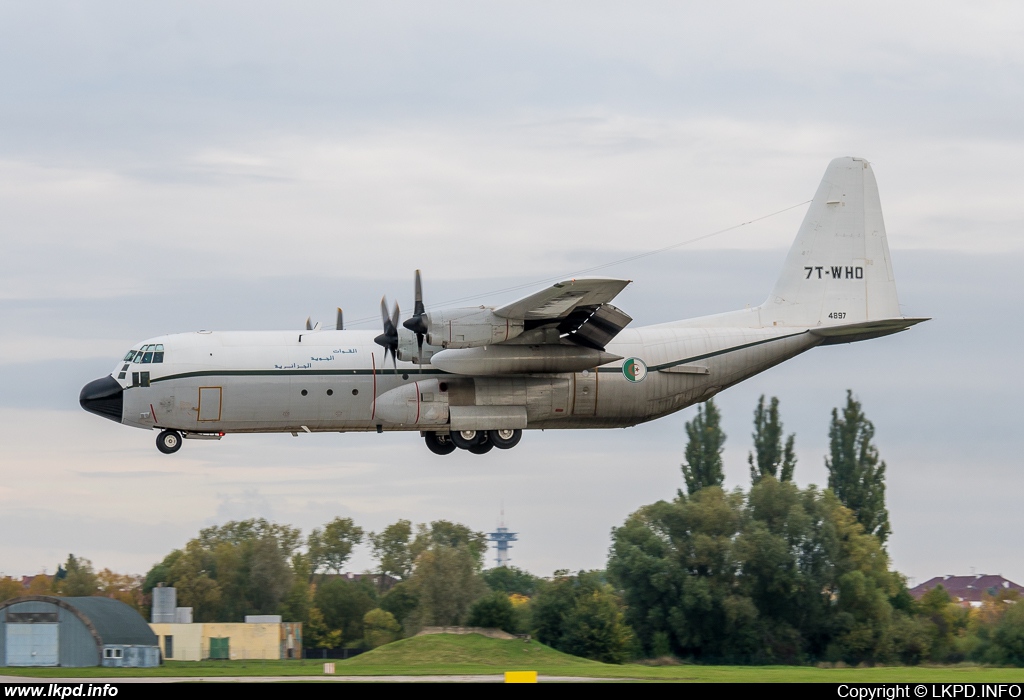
{"x": 168, "y": 441}
{"x": 476, "y": 441}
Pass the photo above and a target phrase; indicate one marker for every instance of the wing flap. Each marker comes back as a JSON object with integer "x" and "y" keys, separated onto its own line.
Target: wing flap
{"x": 598, "y": 328}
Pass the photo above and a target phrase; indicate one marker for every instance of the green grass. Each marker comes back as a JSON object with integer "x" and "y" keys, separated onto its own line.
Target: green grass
{"x": 472, "y": 654}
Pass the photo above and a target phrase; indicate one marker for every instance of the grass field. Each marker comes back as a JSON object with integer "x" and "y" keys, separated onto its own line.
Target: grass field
{"x": 472, "y": 654}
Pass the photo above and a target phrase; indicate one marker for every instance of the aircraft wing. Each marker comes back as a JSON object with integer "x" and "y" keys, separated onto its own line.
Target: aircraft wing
{"x": 559, "y": 300}
{"x": 579, "y": 309}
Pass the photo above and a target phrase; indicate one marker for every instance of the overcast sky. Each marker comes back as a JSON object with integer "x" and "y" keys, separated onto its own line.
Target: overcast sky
{"x": 165, "y": 168}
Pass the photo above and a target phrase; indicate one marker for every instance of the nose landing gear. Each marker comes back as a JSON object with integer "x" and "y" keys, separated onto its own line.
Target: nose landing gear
{"x": 168, "y": 441}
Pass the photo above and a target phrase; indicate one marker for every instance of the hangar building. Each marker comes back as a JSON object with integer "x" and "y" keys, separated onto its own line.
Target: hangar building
{"x": 42, "y": 630}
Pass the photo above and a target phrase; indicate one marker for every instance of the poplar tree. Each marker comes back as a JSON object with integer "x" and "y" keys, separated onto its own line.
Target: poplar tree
{"x": 769, "y": 456}
{"x": 703, "y": 466}
{"x": 855, "y": 473}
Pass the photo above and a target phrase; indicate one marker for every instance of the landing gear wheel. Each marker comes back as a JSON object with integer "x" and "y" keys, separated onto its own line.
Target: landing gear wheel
{"x": 439, "y": 444}
{"x": 465, "y": 439}
{"x": 168, "y": 441}
{"x": 483, "y": 448}
{"x": 504, "y": 439}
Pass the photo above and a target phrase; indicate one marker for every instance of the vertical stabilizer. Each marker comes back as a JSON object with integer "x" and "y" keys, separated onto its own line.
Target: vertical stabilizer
{"x": 838, "y": 270}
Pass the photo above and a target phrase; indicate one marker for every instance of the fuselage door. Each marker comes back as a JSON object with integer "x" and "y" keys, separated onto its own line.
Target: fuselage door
{"x": 209, "y": 404}
{"x": 584, "y": 393}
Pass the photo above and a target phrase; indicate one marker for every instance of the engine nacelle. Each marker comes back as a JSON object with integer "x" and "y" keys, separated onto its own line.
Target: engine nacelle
{"x": 408, "y": 351}
{"x": 419, "y": 403}
{"x": 469, "y": 328}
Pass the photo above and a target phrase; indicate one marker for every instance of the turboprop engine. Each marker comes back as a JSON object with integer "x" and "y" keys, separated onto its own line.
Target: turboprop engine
{"x": 470, "y": 327}
{"x": 520, "y": 359}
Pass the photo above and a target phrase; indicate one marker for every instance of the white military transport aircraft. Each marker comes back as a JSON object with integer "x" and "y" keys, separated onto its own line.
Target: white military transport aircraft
{"x": 475, "y": 378}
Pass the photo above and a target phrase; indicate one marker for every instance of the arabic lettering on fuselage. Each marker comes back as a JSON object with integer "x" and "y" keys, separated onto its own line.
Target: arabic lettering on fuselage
{"x": 329, "y": 358}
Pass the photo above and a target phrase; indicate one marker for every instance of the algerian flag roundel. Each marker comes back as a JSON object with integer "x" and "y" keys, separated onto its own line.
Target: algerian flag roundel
{"x": 634, "y": 369}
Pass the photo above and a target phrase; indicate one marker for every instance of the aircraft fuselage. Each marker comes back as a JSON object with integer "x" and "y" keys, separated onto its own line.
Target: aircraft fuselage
{"x": 332, "y": 381}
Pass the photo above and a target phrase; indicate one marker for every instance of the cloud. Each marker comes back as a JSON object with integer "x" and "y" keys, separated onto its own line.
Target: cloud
{"x": 233, "y": 166}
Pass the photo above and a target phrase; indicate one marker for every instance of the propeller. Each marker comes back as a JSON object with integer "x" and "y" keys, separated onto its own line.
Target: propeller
{"x": 389, "y": 338}
{"x": 340, "y": 325}
{"x": 418, "y": 323}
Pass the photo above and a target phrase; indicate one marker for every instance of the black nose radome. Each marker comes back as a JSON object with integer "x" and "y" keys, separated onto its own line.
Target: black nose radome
{"x": 104, "y": 397}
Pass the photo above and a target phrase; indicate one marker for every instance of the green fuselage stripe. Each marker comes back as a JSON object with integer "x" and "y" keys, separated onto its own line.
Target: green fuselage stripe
{"x": 716, "y": 353}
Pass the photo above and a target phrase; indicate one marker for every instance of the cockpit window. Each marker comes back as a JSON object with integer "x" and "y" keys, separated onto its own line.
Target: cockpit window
{"x": 130, "y": 356}
{"x": 147, "y": 354}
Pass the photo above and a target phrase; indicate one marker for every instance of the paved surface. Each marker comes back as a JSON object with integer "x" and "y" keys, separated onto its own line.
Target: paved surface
{"x": 285, "y": 679}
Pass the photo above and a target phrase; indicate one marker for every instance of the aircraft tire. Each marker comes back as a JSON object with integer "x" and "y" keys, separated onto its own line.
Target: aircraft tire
{"x": 465, "y": 439}
{"x": 168, "y": 441}
{"x": 482, "y": 448}
{"x": 504, "y": 439}
{"x": 439, "y": 444}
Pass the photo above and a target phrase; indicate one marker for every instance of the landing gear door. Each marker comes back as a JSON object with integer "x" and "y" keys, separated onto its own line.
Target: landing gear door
{"x": 209, "y": 404}
{"x": 584, "y": 393}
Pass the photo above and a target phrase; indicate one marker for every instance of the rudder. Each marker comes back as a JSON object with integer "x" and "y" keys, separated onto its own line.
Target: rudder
{"x": 838, "y": 270}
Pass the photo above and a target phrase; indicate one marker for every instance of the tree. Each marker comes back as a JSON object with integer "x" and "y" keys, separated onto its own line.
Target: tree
{"x": 781, "y": 576}
{"x": 401, "y": 601}
{"x": 126, "y": 588}
{"x": 771, "y": 457}
{"x": 447, "y": 584}
{"x": 41, "y": 584}
{"x": 81, "y": 580}
{"x": 343, "y": 604}
{"x": 196, "y": 588}
{"x": 391, "y": 548}
{"x": 330, "y": 547}
{"x": 269, "y": 576}
{"x": 379, "y": 628}
{"x": 493, "y": 610}
{"x": 595, "y": 628}
{"x": 317, "y": 635}
{"x": 9, "y": 588}
{"x": 298, "y": 601}
{"x": 444, "y": 533}
{"x": 581, "y": 615}
{"x": 703, "y": 466}
{"x": 855, "y": 474}
{"x": 510, "y": 579}
{"x": 1008, "y": 637}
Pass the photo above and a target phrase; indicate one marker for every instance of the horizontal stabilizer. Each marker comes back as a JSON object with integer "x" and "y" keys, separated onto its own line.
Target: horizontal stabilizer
{"x": 866, "y": 330}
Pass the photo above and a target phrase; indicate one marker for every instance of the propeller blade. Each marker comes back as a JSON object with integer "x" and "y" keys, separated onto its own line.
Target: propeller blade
{"x": 340, "y": 325}
{"x": 394, "y": 325}
{"x": 309, "y": 323}
{"x": 384, "y": 312}
{"x": 418, "y": 309}
{"x": 418, "y": 324}
{"x": 389, "y": 338}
